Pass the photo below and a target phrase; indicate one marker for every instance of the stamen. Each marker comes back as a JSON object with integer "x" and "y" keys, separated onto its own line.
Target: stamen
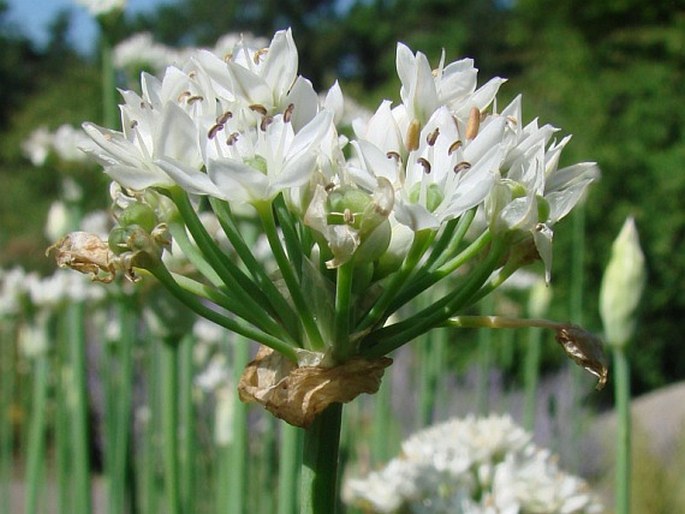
{"x": 413, "y": 133}
{"x": 266, "y": 121}
{"x": 426, "y": 165}
{"x": 232, "y": 138}
{"x": 329, "y": 187}
{"x": 288, "y": 113}
{"x": 195, "y": 99}
{"x": 258, "y": 54}
{"x": 348, "y": 216}
{"x": 393, "y": 155}
{"x": 214, "y": 130}
{"x": 462, "y": 166}
{"x": 258, "y": 108}
{"x": 183, "y": 95}
{"x": 473, "y": 124}
{"x": 133, "y": 124}
{"x": 454, "y": 147}
{"x": 433, "y": 136}
{"x": 222, "y": 119}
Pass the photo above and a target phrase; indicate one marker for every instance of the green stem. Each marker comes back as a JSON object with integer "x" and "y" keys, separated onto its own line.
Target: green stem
{"x": 623, "y": 430}
{"x": 531, "y": 376}
{"x": 398, "y": 279}
{"x": 237, "y": 484}
{"x": 241, "y": 286}
{"x": 109, "y": 103}
{"x": 35, "y": 452}
{"x": 163, "y": 275}
{"x": 80, "y": 436}
{"x": 319, "y": 482}
{"x": 390, "y": 338}
{"x": 193, "y": 253}
{"x": 186, "y": 417}
{"x": 484, "y": 339}
{"x": 269, "y": 223}
{"x": 450, "y": 240}
{"x": 7, "y": 388}
{"x": 343, "y": 292}
{"x": 425, "y": 279}
{"x": 290, "y": 237}
{"x": 289, "y": 468}
{"x": 278, "y": 302}
{"x": 169, "y": 362}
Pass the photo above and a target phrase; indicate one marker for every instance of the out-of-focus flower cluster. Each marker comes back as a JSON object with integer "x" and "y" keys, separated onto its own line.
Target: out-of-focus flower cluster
{"x": 65, "y": 143}
{"x": 476, "y": 466}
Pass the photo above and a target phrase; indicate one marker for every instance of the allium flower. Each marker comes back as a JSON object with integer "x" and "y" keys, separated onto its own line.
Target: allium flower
{"x": 474, "y": 465}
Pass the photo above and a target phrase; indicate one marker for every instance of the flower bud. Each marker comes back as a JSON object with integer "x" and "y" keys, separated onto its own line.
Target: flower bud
{"x": 622, "y": 285}
{"x": 138, "y": 214}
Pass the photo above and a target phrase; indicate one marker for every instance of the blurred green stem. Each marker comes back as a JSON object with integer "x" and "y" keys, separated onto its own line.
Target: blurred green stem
{"x": 237, "y": 478}
{"x": 531, "y": 376}
{"x": 78, "y": 403}
{"x": 484, "y": 338}
{"x": 7, "y": 388}
{"x": 289, "y": 468}
{"x": 169, "y": 372}
{"x": 35, "y": 452}
{"x": 623, "y": 430}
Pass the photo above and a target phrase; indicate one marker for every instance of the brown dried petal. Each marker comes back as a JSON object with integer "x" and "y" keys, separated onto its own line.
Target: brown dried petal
{"x": 298, "y": 394}
{"x": 86, "y": 253}
{"x": 585, "y": 350}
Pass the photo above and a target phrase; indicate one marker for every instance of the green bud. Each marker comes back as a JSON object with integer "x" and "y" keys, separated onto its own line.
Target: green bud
{"x": 345, "y": 204}
{"x": 138, "y": 214}
{"x": 622, "y": 286}
{"x": 543, "y": 209}
{"x": 118, "y": 240}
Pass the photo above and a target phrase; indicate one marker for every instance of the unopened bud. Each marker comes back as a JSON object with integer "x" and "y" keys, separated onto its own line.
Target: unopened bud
{"x": 585, "y": 350}
{"x": 622, "y": 286}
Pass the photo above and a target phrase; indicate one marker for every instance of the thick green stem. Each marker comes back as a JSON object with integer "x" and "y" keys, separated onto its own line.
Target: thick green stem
{"x": 450, "y": 240}
{"x": 289, "y": 468}
{"x": 319, "y": 481}
{"x": 109, "y": 102}
{"x": 484, "y": 361}
{"x": 169, "y": 360}
{"x": 187, "y": 447}
{"x": 35, "y": 453}
{"x": 623, "y": 430}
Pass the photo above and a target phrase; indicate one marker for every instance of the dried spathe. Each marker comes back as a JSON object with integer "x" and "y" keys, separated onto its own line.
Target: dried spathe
{"x": 297, "y": 394}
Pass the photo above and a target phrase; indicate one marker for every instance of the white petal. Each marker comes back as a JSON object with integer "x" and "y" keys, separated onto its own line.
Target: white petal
{"x": 305, "y": 100}
{"x": 280, "y": 65}
{"x": 190, "y": 179}
{"x": 177, "y": 137}
{"x": 237, "y": 181}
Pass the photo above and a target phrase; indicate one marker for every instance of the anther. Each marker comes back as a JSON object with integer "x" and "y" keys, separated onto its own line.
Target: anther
{"x": 214, "y": 130}
{"x": 133, "y": 124}
{"x": 473, "y": 124}
{"x": 329, "y": 187}
{"x": 462, "y": 166}
{"x": 413, "y": 135}
{"x": 223, "y": 118}
{"x": 433, "y": 136}
{"x": 232, "y": 138}
{"x": 426, "y": 165}
{"x": 266, "y": 121}
{"x": 348, "y": 216}
{"x": 183, "y": 95}
{"x": 195, "y": 98}
{"x": 288, "y": 113}
{"x": 258, "y": 108}
{"x": 393, "y": 155}
{"x": 258, "y": 54}
{"x": 454, "y": 147}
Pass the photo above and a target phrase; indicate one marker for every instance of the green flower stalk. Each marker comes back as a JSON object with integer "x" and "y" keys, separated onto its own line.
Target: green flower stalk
{"x": 440, "y": 192}
{"x": 622, "y": 285}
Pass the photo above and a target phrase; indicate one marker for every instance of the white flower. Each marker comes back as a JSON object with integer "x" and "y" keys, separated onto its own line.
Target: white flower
{"x": 57, "y": 223}
{"x": 142, "y": 50}
{"x": 38, "y": 145}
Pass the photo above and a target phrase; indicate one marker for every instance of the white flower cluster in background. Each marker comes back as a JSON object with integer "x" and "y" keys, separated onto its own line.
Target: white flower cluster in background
{"x": 65, "y": 143}
{"x": 475, "y": 466}
{"x": 142, "y": 51}
{"x": 102, "y": 7}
